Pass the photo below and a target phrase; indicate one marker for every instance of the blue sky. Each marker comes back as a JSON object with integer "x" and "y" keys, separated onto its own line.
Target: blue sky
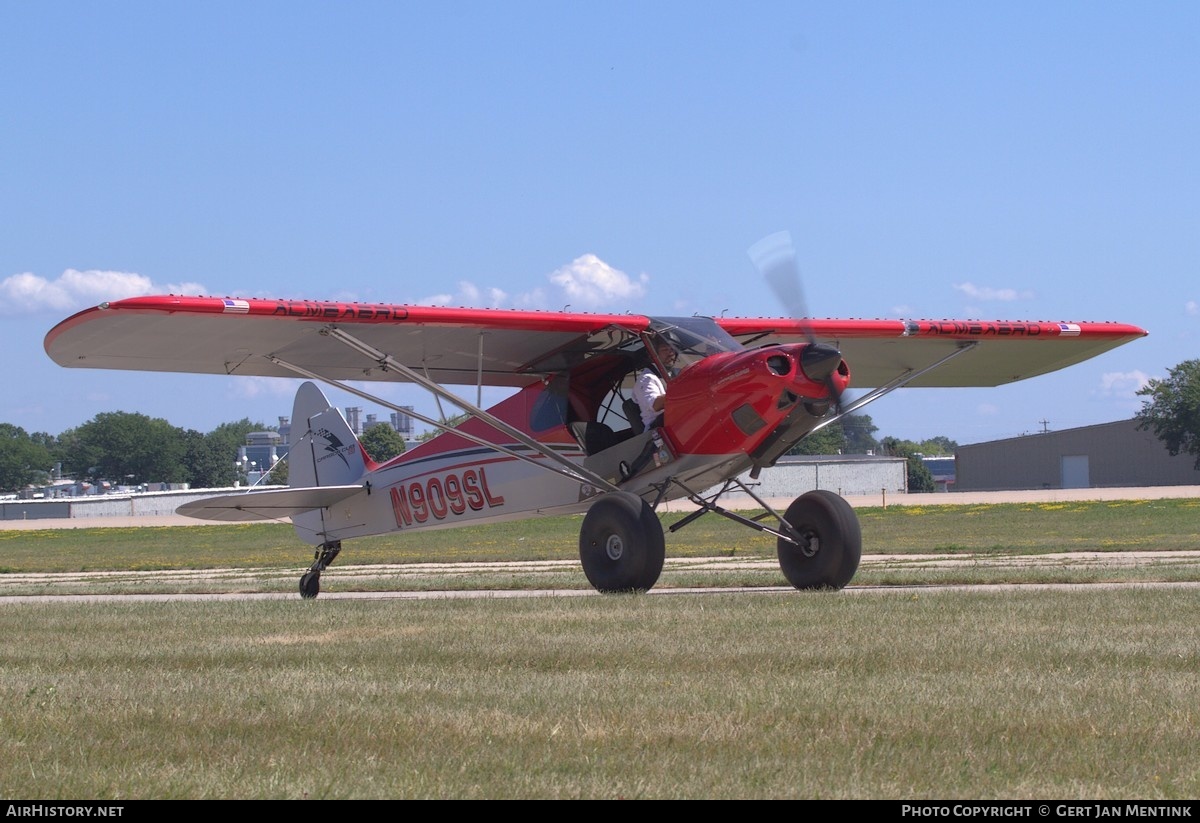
{"x": 998, "y": 160}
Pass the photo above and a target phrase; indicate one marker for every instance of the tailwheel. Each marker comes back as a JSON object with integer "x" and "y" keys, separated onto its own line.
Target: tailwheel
{"x": 830, "y": 542}
{"x": 621, "y": 544}
{"x": 310, "y": 585}
{"x": 310, "y": 581}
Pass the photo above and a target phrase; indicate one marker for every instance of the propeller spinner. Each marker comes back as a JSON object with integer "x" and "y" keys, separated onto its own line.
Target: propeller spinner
{"x": 775, "y": 258}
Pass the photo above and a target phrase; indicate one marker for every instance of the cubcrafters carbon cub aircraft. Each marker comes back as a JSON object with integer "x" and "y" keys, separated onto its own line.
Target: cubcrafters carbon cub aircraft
{"x": 569, "y": 439}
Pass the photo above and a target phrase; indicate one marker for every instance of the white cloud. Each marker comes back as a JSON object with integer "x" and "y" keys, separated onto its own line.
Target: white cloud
{"x": 987, "y": 293}
{"x": 76, "y": 290}
{"x": 535, "y": 299}
{"x": 468, "y": 294}
{"x": 1191, "y": 307}
{"x": 1122, "y": 384}
{"x": 590, "y": 282}
{"x": 443, "y": 299}
{"x": 586, "y": 282}
{"x": 496, "y": 298}
{"x": 254, "y": 388}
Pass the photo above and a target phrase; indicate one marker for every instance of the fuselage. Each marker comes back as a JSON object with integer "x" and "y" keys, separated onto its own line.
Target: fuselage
{"x": 724, "y": 412}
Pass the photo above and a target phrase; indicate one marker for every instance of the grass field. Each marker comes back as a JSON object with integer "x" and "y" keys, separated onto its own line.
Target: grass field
{"x": 1027, "y": 693}
{"x": 970, "y": 544}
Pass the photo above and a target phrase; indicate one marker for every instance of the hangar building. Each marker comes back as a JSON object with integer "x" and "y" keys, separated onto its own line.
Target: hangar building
{"x": 1107, "y": 455}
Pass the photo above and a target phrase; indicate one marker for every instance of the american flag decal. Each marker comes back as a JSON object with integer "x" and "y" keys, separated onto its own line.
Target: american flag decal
{"x": 1068, "y": 330}
{"x": 236, "y": 307}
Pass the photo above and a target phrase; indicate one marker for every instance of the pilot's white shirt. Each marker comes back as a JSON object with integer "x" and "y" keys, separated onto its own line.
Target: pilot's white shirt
{"x": 648, "y": 387}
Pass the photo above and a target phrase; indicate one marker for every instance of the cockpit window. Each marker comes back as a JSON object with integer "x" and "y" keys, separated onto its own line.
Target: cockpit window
{"x": 593, "y": 376}
{"x": 692, "y": 338}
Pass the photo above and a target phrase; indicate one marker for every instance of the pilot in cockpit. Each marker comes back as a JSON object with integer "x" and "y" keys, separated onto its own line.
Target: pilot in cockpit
{"x": 650, "y": 389}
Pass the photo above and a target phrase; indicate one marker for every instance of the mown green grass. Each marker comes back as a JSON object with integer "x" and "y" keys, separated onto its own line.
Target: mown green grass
{"x": 1082, "y": 694}
{"x": 1017, "y": 528}
{"x": 1085, "y": 693}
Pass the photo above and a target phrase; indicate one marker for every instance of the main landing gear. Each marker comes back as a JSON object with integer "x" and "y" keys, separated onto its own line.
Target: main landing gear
{"x": 622, "y": 548}
{"x": 310, "y": 582}
{"x": 818, "y": 539}
{"x": 621, "y": 544}
{"x": 823, "y": 544}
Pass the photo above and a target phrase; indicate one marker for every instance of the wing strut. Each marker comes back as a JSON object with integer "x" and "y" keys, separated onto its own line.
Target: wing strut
{"x": 565, "y": 467}
{"x": 572, "y": 472}
{"x": 897, "y": 382}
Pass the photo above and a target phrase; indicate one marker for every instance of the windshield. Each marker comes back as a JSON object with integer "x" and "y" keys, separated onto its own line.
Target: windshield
{"x": 692, "y": 338}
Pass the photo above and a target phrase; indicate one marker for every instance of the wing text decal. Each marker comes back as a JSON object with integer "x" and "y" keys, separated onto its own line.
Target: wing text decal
{"x": 984, "y": 329}
{"x": 338, "y": 311}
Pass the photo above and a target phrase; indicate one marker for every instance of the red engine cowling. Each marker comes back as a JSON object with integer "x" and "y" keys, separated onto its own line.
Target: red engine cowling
{"x": 759, "y": 401}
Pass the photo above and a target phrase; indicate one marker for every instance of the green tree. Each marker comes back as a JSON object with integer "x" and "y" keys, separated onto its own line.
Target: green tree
{"x": 127, "y": 448}
{"x": 452, "y": 422}
{"x": 382, "y": 442}
{"x": 853, "y": 434}
{"x": 221, "y": 451}
{"x": 229, "y": 437}
{"x": 209, "y": 461}
{"x": 278, "y": 475}
{"x": 830, "y": 439}
{"x": 1173, "y": 410}
{"x": 919, "y": 477}
{"x": 23, "y": 460}
{"x": 860, "y": 434}
{"x": 939, "y": 446}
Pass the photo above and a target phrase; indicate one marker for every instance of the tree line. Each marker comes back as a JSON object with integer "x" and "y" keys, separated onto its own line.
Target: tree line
{"x": 126, "y": 448}
{"x": 131, "y": 449}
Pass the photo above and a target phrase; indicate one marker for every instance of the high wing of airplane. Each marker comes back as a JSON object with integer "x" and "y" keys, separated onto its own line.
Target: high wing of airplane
{"x": 740, "y": 393}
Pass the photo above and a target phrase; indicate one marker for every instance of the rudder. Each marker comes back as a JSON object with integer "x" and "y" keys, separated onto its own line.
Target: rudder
{"x": 322, "y": 449}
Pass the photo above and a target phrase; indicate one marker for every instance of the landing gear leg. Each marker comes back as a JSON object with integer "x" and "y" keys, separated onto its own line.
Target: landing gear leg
{"x": 819, "y": 539}
{"x": 310, "y": 582}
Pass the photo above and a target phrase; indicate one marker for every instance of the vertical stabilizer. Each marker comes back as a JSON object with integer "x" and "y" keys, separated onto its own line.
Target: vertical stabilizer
{"x": 323, "y": 451}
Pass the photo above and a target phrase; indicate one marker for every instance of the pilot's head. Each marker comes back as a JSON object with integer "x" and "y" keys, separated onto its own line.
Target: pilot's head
{"x": 666, "y": 355}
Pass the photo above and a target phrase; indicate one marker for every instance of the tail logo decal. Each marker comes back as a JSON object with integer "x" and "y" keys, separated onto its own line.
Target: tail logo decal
{"x": 333, "y": 446}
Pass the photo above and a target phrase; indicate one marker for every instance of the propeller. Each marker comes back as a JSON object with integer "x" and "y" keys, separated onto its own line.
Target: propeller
{"x": 775, "y": 258}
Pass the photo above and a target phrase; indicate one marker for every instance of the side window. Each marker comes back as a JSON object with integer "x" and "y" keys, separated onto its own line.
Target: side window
{"x": 550, "y": 408}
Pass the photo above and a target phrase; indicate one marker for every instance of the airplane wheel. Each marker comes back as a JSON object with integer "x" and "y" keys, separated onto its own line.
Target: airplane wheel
{"x": 621, "y": 544}
{"x": 835, "y": 548}
{"x": 310, "y": 585}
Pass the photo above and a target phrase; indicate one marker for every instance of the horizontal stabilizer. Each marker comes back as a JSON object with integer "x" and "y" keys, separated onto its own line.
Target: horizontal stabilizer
{"x": 269, "y": 504}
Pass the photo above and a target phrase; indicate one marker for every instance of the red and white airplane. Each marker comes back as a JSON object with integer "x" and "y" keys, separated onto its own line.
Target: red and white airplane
{"x": 569, "y": 439}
